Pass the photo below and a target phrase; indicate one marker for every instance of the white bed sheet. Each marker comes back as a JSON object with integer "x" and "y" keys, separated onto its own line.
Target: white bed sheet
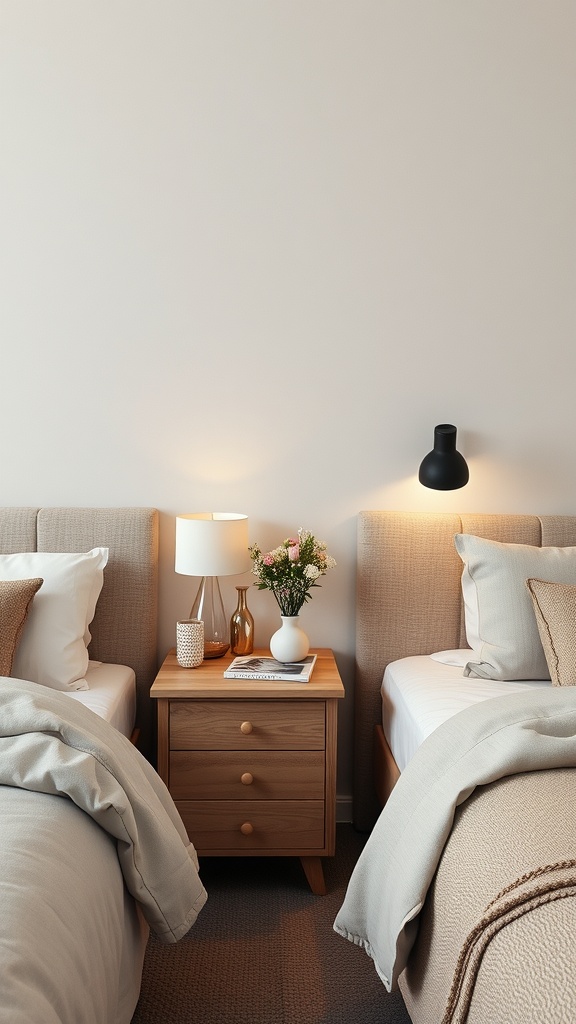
{"x": 420, "y": 693}
{"x": 111, "y": 694}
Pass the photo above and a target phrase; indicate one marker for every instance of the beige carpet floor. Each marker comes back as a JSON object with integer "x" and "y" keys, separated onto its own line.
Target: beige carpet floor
{"x": 263, "y": 951}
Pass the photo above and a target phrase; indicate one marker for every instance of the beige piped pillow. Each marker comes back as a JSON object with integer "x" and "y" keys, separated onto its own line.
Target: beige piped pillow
{"x": 555, "y": 610}
{"x": 15, "y": 600}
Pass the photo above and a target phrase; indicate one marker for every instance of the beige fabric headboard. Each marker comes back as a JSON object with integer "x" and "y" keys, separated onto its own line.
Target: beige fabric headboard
{"x": 408, "y": 601}
{"x": 124, "y": 630}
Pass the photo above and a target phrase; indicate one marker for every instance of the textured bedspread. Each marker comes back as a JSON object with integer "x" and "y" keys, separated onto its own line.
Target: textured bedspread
{"x": 500, "y": 738}
{"x": 503, "y": 893}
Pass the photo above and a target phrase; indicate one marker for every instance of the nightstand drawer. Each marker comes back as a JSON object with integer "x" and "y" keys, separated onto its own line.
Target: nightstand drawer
{"x": 250, "y": 825}
{"x": 247, "y": 725}
{"x": 249, "y": 775}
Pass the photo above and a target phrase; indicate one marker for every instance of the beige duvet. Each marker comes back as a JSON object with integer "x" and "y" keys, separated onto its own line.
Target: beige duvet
{"x": 525, "y": 733}
{"x": 92, "y": 855}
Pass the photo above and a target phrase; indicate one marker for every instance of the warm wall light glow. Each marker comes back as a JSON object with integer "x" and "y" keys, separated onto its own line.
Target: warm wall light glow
{"x": 221, "y": 461}
{"x": 408, "y": 494}
{"x": 203, "y": 468}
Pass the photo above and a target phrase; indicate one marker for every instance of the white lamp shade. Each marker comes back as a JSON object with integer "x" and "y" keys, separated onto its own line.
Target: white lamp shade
{"x": 212, "y": 544}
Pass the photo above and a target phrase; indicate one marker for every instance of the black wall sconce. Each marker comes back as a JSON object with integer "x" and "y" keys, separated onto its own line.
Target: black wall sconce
{"x": 444, "y": 469}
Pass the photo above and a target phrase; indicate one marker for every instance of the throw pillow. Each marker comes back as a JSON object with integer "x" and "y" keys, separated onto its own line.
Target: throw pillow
{"x": 555, "y": 610}
{"x": 15, "y": 599}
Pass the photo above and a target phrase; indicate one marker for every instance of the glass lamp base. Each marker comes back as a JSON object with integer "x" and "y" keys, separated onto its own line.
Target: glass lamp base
{"x": 209, "y": 607}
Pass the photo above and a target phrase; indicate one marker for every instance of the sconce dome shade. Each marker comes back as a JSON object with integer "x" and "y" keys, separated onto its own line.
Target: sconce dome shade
{"x": 212, "y": 544}
{"x": 444, "y": 469}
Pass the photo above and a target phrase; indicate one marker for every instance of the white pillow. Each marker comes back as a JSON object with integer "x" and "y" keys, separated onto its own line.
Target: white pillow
{"x": 501, "y": 625}
{"x": 459, "y": 658}
{"x": 52, "y": 649}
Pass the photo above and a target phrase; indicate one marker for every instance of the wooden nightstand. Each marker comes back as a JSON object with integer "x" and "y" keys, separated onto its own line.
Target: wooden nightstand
{"x": 251, "y": 765}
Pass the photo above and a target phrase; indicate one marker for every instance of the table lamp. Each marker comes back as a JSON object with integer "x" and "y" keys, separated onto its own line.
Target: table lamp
{"x": 212, "y": 544}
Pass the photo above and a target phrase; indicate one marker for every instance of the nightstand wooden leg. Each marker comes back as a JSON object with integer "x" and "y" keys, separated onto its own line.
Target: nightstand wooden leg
{"x": 315, "y": 874}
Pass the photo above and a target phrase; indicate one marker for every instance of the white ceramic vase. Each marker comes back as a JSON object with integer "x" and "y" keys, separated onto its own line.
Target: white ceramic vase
{"x": 289, "y": 643}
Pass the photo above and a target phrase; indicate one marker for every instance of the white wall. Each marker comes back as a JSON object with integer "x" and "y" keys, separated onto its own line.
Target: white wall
{"x": 254, "y": 250}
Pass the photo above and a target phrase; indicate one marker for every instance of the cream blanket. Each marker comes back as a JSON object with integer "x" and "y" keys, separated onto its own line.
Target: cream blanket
{"x": 51, "y": 744}
{"x": 500, "y": 737}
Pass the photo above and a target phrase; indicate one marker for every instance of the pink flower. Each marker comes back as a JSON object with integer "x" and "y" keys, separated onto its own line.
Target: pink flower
{"x": 268, "y": 559}
{"x": 294, "y": 552}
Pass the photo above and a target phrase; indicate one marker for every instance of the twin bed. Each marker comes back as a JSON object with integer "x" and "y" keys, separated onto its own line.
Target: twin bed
{"x": 465, "y": 894}
{"x": 92, "y": 851}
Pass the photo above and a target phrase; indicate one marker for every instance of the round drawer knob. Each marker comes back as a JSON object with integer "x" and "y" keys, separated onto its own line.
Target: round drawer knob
{"x": 246, "y": 829}
{"x": 246, "y": 779}
{"x": 246, "y": 728}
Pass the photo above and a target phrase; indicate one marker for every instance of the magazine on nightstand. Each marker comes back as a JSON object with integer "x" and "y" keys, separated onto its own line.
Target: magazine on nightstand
{"x": 253, "y": 667}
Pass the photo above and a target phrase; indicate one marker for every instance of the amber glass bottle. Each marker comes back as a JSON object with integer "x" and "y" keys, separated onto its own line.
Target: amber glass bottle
{"x": 242, "y": 626}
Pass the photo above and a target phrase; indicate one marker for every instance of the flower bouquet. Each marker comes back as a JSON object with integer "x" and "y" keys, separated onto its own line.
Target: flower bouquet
{"x": 291, "y": 570}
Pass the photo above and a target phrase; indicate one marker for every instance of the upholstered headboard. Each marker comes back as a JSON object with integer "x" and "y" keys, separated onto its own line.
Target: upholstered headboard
{"x": 124, "y": 629}
{"x": 408, "y": 601}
